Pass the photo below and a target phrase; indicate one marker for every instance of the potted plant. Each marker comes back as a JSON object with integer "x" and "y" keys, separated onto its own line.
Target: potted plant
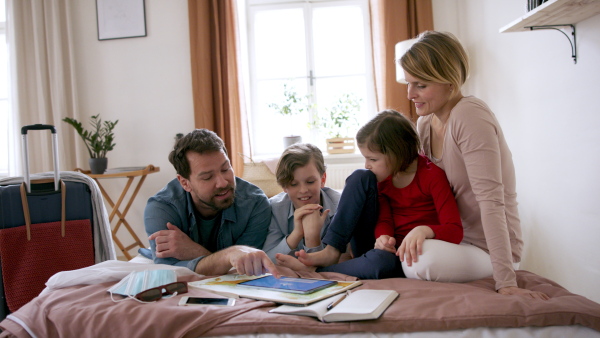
{"x": 293, "y": 104}
{"x": 98, "y": 141}
{"x": 339, "y": 123}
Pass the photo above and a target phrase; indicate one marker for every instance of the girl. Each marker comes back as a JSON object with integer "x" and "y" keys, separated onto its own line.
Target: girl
{"x": 415, "y": 203}
{"x": 463, "y": 137}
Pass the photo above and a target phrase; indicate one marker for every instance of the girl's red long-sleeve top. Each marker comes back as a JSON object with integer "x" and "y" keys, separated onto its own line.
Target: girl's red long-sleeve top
{"x": 427, "y": 200}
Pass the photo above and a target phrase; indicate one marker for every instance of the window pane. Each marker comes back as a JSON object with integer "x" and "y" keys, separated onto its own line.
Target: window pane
{"x": 338, "y": 39}
{"x": 279, "y": 43}
{"x": 269, "y": 126}
{"x": 290, "y": 41}
{"x": 331, "y": 90}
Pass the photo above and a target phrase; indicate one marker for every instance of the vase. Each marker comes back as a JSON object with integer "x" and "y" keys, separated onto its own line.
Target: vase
{"x": 292, "y": 139}
{"x": 98, "y": 165}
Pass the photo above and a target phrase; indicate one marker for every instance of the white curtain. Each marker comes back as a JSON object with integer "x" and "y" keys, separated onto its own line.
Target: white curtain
{"x": 42, "y": 80}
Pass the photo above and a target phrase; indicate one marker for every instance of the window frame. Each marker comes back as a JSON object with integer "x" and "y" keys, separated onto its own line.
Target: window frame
{"x": 252, "y": 7}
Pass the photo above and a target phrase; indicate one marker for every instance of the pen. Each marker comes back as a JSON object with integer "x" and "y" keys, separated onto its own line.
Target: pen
{"x": 332, "y": 304}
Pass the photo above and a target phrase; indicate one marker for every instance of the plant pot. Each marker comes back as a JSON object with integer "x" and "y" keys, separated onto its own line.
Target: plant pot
{"x": 98, "y": 165}
{"x": 292, "y": 139}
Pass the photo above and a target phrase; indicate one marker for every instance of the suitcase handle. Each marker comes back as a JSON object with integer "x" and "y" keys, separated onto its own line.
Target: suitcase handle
{"x": 38, "y": 126}
{"x": 52, "y": 129}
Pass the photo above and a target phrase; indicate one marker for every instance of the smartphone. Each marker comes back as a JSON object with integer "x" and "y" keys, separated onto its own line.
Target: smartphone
{"x": 185, "y": 300}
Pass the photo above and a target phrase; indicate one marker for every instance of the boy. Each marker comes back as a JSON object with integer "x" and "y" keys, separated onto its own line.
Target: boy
{"x": 297, "y": 222}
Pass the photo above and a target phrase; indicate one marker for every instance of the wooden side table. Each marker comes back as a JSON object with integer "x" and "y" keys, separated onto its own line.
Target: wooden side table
{"x": 130, "y": 174}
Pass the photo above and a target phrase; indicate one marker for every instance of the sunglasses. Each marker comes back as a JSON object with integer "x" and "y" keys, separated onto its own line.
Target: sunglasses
{"x": 156, "y": 293}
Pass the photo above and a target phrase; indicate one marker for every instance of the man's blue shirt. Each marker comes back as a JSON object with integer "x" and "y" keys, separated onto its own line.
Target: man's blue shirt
{"x": 245, "y": 222}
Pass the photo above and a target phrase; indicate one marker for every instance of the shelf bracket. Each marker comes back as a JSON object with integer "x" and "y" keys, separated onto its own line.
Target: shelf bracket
{"x": 572, "y": 42}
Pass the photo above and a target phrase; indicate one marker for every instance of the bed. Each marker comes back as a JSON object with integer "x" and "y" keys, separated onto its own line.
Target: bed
{"x": 424, "y": 309}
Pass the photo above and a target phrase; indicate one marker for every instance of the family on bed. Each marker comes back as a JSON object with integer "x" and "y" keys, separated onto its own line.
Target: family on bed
{"x": 436, "y": 202}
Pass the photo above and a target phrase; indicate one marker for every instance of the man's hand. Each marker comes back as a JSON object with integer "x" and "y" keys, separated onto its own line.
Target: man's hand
{"x": 386, "y": 243}
{"x": 174, "y": 243}
{"x": 250, "y": 261}
{"x": 412, "y": 244}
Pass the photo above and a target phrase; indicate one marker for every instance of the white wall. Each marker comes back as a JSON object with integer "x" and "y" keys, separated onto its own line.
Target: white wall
{"x": 549, "y": 108}
{"x": 143, "y": 82}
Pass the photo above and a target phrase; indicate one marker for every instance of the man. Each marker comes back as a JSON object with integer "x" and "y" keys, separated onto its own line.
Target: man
{"x": 207, "y": 219}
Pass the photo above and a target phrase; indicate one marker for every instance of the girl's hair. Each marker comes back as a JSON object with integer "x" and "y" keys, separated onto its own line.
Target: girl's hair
{"x": 437, "y": 57}
{"x": 296, "y": 156}
{"x": 393, "y": 135}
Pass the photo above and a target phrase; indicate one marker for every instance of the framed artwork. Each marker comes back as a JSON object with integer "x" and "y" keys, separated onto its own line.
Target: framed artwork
{"x": 118, "y": 19}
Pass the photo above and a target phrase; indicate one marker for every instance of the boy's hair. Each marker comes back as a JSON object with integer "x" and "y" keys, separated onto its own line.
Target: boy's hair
{"x": 393, "y": 135}
{"x": 437, "y": 57}
{"x": 296, "y": 156}
{"x": 200, "y": 141}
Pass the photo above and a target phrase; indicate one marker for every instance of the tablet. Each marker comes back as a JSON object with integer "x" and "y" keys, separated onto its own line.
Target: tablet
{"x": 288, "y": 284}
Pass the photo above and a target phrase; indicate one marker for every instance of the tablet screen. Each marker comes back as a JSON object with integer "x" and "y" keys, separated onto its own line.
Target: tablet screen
{"x": 288, "y": 284}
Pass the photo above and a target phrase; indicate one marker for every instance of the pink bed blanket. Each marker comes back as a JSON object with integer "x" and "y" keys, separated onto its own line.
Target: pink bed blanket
{"x": 88, "y": 311}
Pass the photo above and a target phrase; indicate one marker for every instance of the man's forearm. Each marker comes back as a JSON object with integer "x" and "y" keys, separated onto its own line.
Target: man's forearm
{"x": 217, "y": 263}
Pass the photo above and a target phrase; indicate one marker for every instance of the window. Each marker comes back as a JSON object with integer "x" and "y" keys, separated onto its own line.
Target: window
{"x": 319, "y": 49}
{"x": 4, "y": 106}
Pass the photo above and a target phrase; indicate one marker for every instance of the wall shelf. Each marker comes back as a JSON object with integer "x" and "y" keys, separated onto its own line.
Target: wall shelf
{"x": 556, "y": 14}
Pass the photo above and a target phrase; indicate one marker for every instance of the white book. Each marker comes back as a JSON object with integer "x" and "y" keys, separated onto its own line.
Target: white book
{"x": 354, "y": 305}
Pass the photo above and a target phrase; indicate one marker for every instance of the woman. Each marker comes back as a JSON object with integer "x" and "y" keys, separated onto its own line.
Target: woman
{"x": 461, "y": 135}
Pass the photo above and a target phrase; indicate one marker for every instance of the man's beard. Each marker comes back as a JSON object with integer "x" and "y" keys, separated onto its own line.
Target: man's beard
{"x": 219, "y": 205}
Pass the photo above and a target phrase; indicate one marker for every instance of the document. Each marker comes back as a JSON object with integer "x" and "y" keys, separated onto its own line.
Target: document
{"x": 361, "y": 304}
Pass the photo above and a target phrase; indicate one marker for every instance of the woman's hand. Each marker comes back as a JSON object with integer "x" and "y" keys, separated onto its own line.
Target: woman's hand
{"x": 412, "y": 245}
{"x": 386, "y": 243}
{"x": 513, "y": 290}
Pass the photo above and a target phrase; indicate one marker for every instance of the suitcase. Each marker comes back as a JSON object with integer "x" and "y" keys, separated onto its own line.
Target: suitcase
{"x": 44, "y": 200}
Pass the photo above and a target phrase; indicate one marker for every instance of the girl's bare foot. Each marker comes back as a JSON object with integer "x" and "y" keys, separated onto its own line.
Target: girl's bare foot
{"x": 292, "y": 263}
{"x": 325, "y": 257}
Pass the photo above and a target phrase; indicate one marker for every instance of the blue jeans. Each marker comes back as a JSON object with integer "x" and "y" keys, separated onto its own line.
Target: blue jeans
{"x": 356, "y": 215}
{"x": 354, "y": 222}
{"x": 375, "y": 264}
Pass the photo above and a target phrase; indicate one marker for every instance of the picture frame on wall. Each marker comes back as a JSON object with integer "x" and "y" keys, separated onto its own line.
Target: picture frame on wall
{"x": 119, "y": 19}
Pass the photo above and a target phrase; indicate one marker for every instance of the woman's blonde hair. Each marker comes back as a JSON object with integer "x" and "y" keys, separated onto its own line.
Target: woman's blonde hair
{"x": 437, "y": 57}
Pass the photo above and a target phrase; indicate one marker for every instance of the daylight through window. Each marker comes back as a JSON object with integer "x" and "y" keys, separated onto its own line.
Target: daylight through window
{"x": 308, "y": 62}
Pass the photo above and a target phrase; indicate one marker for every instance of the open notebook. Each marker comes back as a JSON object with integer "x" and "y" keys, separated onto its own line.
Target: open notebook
{"x": 357, "y": 305}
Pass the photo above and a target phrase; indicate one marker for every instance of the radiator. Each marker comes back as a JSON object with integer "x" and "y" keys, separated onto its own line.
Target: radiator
{"x": 337, "y": 174}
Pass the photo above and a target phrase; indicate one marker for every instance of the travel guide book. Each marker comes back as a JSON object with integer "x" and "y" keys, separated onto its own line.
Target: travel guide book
{"x": 227, "y": 286}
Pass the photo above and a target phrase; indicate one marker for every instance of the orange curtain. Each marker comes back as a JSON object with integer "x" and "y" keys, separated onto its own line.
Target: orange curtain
{"x": 393, "y": 21}
{"x": 215, "y": 85}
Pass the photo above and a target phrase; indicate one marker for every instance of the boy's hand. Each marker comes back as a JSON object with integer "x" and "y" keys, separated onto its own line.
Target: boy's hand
{"x": 301, "y": 212}
{"x": 386, "y": 243}
{"x": 412, "y": 245}
{"x": 312, "y": 224}
{"x": 298, "y": 233}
